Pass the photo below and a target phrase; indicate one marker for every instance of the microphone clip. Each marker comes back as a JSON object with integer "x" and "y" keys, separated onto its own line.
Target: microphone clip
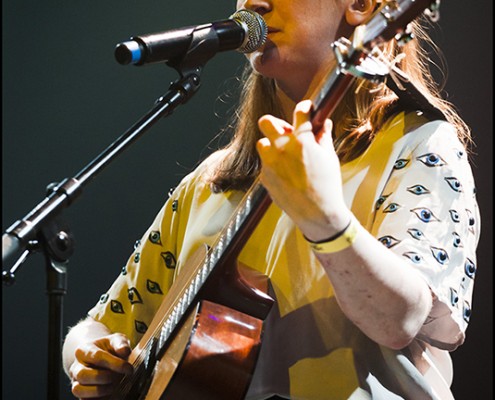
{"x": 203, "y": 46}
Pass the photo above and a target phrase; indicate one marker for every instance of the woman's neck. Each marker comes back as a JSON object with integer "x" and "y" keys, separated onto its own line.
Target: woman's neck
{"x": 286, "y": 103}
{"x": 290, "y": 94}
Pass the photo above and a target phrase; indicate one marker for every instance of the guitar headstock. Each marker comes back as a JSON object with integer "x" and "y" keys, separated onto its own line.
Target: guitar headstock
{"x": 391, "y": 19}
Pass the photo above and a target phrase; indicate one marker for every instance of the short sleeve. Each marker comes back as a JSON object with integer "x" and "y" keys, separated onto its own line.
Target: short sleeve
{"x": 427, "y": 213}
{"x": 134, "y": 297}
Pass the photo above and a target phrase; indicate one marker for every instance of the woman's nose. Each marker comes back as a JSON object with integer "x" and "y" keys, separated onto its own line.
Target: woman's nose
{"x": 260, "y": 6}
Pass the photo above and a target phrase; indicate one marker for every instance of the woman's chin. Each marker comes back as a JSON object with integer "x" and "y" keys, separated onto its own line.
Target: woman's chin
{"x": 266, "y": 61}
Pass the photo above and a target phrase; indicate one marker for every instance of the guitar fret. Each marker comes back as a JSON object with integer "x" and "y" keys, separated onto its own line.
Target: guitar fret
{"x": 181, "y": 306}
{"x": 148, "y": 355}
{"x": 229, "y": 232}
{"x": 199, "y": 278}
{"x": 237, "y": 221}
{"x": 163, "y": 336}
{"x": 169, "y": 327}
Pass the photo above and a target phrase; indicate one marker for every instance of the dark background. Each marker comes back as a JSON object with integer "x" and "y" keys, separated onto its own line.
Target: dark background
{"x": 65, "y": 99}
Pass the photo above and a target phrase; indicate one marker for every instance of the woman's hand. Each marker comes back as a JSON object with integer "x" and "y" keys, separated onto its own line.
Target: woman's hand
{"x": 301, "y": 171}
{"x": 99, "y": 365}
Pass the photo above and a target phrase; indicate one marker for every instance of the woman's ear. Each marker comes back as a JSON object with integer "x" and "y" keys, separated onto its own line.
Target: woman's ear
{"x": 359, "y": 11}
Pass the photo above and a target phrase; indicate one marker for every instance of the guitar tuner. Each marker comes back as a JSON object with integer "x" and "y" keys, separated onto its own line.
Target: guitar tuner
{"x": 404, "y": 37}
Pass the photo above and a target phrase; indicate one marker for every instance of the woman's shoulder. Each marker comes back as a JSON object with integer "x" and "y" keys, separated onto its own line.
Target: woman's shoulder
{"x": 414, "y": 129}
{"x": 200, "y": 177}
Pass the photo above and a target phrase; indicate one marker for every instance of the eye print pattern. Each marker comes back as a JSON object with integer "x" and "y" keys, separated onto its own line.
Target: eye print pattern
{"x": 414, "y": 257}
{"x": 418, "y": 190}
{"x": 438, "y": 255}
{"x": 425, "y": 214}
{"x": 454, "y": 215}
{"x": 466, "y": 312}
{"x": 431, "y": 160}
{"x": 457, "y": 242}
{"x": 470, "y": 268}
{"x": 380, "y": 201}
{"x": 401, "y": 163}
{"x": 471, "y": 220}
{"x": 392, "y": 207}
{"x": 388, "y": 241}
{"x": 416, "y": 233}
{"x": 454, "y": 183}
{"x": 154, "y": 237}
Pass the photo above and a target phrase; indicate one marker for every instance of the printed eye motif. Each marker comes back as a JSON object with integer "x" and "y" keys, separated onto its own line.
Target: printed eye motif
{"x": 431, "y": 160}
{"x": 414, "y": 257}
{"x": 380, "y": 201}
{"x": 454, "y": 298}
{"x": 424, "y": 214}
{"x": 454, "y": 183}
{"x": 454, "y": 215}
{"x": 457, "y": 240}
{"x": 153, "y": 287}
{"x": 169, "y": 259}
{"x": 155, "y": 237}
{"x": 470, "y": 217}
{"x": 466, "y": 312}
{"x": 459, "y": 153}
{"x": 418, "y": 190}
{"x": 137, "y": 244}
{"x": 470, "y": 268}
{"x": 440, "y": 255}
{"x": 116, "y": 307}
{"x": 134, "y": 296}
{"x": 392, "y": 207}
{"x": 388, "y": 241}
{"x": 416, "y": 233}
{"x": 140, "y": 326}
{"x": 401, "y": 163}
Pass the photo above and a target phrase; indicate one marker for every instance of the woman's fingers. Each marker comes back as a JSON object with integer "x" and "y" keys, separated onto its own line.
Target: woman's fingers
{"x": 302, "y": 117}
{"x": 273, "y": 127}
{"x": 99, "y": 366}
{"x": 91, "y": 376}
{"x": 92, "y": 355}
{"x": 91, "y": 391}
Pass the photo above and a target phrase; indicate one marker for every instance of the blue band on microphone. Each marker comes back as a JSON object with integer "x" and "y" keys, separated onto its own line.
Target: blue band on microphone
{"x": 136, "y": 52}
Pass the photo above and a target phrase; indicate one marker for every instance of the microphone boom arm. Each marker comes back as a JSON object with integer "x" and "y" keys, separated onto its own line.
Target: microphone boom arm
{"x": 41, "y": 229}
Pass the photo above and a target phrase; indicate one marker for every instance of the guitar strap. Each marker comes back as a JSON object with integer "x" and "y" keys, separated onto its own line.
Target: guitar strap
{"x": 410, "y": 98}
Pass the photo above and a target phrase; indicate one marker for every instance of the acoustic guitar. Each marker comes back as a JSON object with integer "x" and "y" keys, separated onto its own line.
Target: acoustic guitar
{"x": 205, "y": 338}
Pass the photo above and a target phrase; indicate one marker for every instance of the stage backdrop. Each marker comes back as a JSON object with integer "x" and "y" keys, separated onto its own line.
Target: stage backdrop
{"x": 65, "y": 99}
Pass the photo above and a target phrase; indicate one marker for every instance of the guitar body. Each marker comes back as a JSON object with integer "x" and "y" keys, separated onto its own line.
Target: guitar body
{"x": 213, "y": 351}
{"x": 212, "y": 357}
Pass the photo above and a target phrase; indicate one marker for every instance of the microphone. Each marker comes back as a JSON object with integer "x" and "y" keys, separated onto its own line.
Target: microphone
{"x": 245, "y": 31}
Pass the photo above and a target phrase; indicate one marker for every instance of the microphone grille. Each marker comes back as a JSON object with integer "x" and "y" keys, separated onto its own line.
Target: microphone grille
{"x": 256, "y": 30}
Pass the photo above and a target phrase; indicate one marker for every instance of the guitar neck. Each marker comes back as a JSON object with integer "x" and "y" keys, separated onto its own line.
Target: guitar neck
{"x": 186, "y": 290}
{"x": 328, "y": 95}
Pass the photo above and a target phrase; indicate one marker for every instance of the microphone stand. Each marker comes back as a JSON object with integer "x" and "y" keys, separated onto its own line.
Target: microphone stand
{"x": 43, "y": 229}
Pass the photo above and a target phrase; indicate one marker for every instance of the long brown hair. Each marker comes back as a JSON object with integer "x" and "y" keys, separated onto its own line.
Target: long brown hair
{"x": 357, "y": 119}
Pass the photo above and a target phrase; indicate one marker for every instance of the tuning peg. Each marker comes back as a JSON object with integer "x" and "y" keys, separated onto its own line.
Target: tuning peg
{"x": 405, "y": 36}
{"x": 433, "y": 11}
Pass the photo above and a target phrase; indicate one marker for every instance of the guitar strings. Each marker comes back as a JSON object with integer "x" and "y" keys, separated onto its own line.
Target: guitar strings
{"x": 129, "y": 381}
